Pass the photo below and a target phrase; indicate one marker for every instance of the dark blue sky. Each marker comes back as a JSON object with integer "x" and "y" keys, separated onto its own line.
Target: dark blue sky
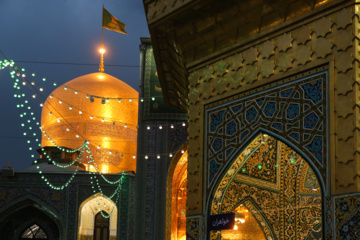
{"x": 61, "y": 31}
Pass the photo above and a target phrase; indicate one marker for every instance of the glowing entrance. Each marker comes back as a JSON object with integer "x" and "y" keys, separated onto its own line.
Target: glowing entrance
{"x": 34, "y": 232}
{"x": 101, "y": 226}
{"x": 92, "y": 223}
{"x": 176, "y": 194}
{"x": 273, "y": 191}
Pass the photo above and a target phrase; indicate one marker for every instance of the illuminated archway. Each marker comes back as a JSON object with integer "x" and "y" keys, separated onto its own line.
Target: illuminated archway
{"x": 280, "y": 182}
{"x": 176, "y": 195}
{"x": 89, "y": 209}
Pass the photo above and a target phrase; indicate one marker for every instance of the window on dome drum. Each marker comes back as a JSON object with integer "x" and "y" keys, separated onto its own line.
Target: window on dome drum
{"x": 34, "y": 232}
{"x": 101, "y": 227}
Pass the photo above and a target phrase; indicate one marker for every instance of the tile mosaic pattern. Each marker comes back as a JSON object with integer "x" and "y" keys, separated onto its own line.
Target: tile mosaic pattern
{"x": 193, "y": 228}
{"x": 156, "y": 109}
{"x": 43, "y": 193}
{"x": 290, "y": 210}
{"x": 347, "y": 217}
{"x": 294, "y": 108}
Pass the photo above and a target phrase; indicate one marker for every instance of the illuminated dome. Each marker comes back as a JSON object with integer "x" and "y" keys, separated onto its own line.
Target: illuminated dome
{"x": 98, "y": 108}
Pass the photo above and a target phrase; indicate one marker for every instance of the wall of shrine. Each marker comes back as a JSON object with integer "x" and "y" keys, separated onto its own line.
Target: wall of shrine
{"x": 299, "y": 84}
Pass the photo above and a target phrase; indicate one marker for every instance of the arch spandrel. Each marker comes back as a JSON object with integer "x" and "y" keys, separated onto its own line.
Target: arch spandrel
{"x": 294, "y": 108}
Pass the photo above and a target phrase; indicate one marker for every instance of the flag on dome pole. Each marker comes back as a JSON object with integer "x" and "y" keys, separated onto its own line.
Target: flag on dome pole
{"x": 112, "y": 23}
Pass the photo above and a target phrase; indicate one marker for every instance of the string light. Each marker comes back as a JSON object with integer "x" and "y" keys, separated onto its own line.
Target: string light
{"x": 83, "y": 148}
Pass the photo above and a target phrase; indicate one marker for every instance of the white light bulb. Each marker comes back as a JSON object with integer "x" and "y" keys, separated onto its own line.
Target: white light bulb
{"x": 91, "y": 117}
{"x": 182, "y": 151}
{"x": 41, "y": 89}
{"x": 171, "y": 126}
{"x": 146, "y": 157}
{"x": 170, "y": 155}
{"x": 80, "y": 112}
{"x": 148, "y": 127}
{"x": 158, "y": 156}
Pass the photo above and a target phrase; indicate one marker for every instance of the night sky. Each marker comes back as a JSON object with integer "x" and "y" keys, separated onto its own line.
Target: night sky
{"x": 64, "y": 31}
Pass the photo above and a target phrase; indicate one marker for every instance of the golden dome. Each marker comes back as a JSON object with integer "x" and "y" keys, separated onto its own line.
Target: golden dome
{"x": 98, "y": 108}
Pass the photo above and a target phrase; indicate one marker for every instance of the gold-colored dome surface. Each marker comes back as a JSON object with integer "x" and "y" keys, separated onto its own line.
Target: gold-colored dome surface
{"x": 98, "y": 108}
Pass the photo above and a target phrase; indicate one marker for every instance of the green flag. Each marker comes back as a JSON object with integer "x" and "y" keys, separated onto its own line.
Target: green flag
{"x": 112, "y": 23}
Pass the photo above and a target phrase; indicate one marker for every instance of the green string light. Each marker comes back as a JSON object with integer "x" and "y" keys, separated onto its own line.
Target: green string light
{"x": 30, "y": 120}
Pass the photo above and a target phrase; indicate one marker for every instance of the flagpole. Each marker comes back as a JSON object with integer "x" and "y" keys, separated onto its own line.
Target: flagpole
{"x": 102, "y": 50}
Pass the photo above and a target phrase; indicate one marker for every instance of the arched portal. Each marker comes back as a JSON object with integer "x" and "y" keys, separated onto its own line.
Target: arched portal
{"x": 92, "y": 223}
{"x": 280, "y": 183}
{"x": 101, "y": 226}
{"x": 176, "y": 195}
{"x": 29, "y": 212}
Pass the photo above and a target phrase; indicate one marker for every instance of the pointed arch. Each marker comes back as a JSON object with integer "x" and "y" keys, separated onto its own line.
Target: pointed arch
{"x": 23, "y": 212}
{"x": 88, "y": 211}
{"x": 176, "y": 193}
{"x": 246, "y": 177}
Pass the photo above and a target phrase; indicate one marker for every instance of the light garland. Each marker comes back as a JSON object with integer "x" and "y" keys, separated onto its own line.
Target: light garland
{"x": 21, "y": 79}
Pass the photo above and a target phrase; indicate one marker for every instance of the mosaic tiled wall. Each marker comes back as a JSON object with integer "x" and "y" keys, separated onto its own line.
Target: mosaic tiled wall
{"x": 347, "y": 217}
{"x": 193, "y": 228}
{"x": 54, "y": 198}
{"x": 293, "y": 108}
{"x": 326, "y": 39}
{"x": 153, "y": 102}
